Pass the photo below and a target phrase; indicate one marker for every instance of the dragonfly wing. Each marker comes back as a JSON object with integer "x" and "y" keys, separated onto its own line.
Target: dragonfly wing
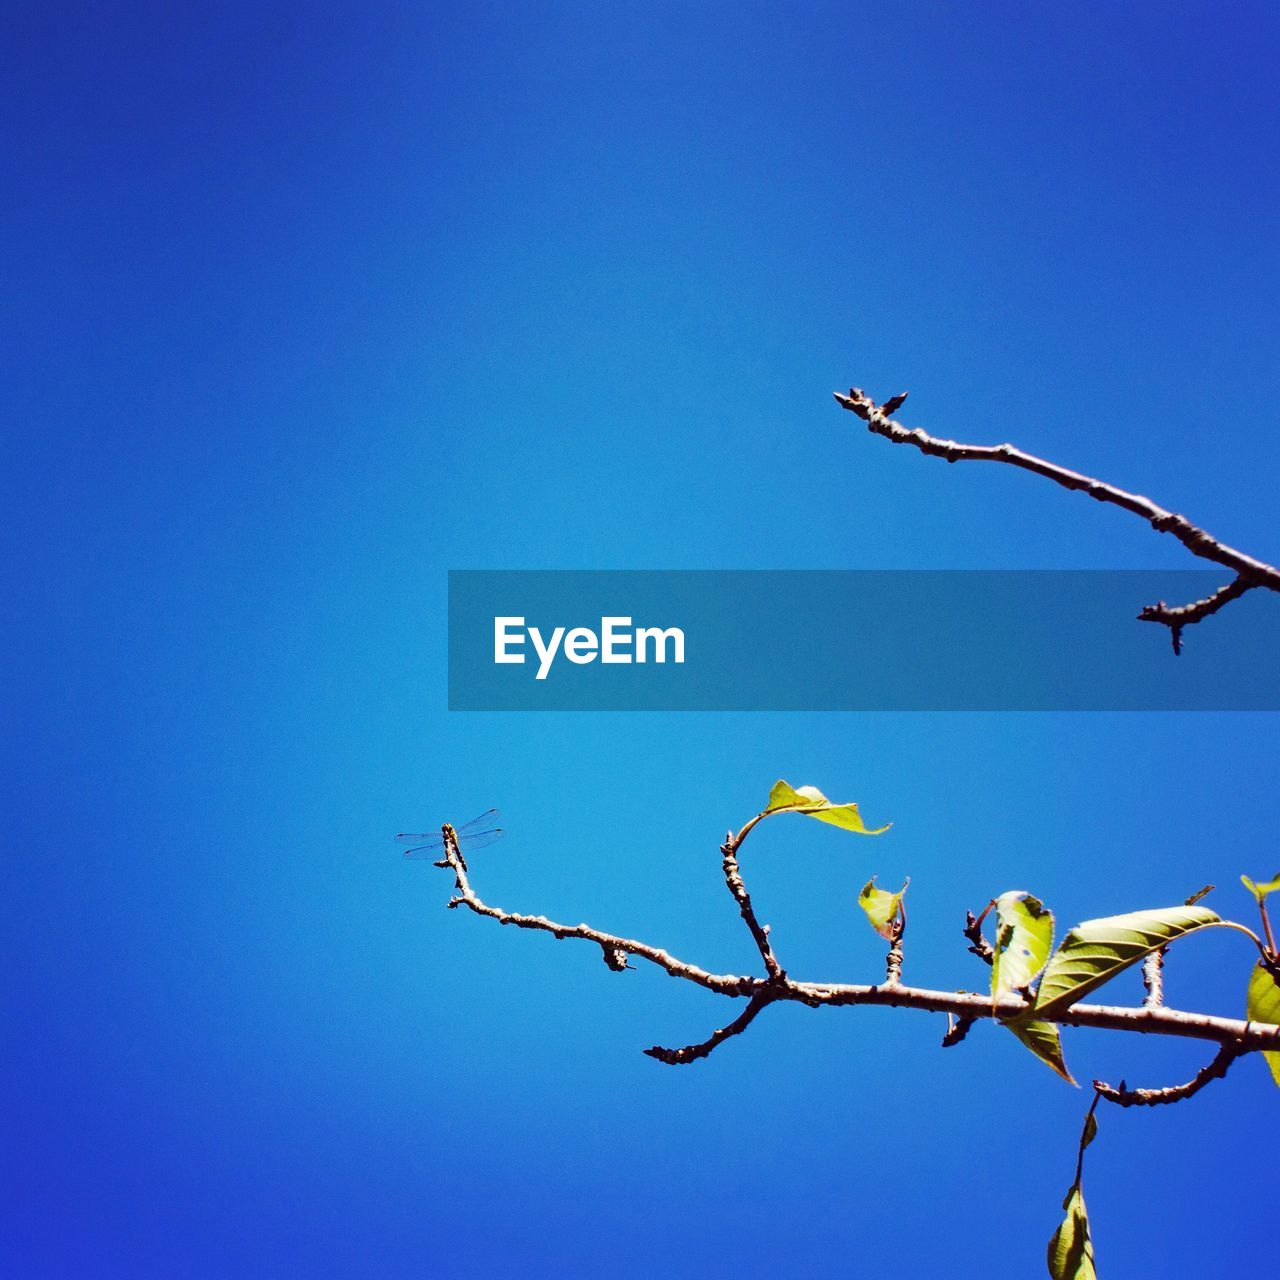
{"x": 425, "y": 850}
{"x": 421, "y": 845}
{"x": 479, "y": 839}
{"x": 482, "y": 821}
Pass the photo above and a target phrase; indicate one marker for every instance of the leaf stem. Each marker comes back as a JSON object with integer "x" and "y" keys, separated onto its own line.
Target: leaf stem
{"x": 1266, "y": 927}
{"x": 1249, "y": 933}
{"x": 1086, "y": 1137}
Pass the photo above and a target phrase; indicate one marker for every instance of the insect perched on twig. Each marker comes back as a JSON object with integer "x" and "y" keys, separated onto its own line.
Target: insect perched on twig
{"x": 476, "y": 834}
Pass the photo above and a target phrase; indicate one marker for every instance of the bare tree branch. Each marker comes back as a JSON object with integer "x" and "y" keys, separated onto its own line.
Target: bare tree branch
{"x": 1250, "y": 572}
{"x": 1162, "y": 1021}
{"x": 1215, "y": 1070}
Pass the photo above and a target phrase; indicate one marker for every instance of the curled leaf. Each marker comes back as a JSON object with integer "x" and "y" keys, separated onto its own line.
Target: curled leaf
{"x": 1024, "y": 937}
{"x": 881, "y": 907}
{"x": 1095, "y": 951}
{"x": 809, "y": 801}
{"x": 1263, "y": 1005}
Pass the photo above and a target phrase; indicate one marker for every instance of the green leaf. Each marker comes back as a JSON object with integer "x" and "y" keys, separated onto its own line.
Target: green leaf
{"x": 1095, "y": 951}
{"x": 1043, "y": 1040}
{"x": 1260, "y": 891}
{"x": 1090, "y": 1132}
{"x": 881, "y": 906}
{"x": 1071, "y": 1249}
{"x": 1024, "y": 937}
{"x": 1263, "y": 1005}
{"x": 809, "y": 801}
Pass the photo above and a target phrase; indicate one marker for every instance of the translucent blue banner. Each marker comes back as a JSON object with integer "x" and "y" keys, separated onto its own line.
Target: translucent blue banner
{"x": 922, "y": 640}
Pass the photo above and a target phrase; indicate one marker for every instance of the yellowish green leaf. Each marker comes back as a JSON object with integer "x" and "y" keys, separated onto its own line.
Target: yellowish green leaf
{"x": 1263, "y": 1005}
{"x": 809, "y": 801}
{"x": 1043, "y": 1040}
{"x": 881, "y": 906}
{"x": 1095, "y": 951}
{"x": 1090, "y": 1131}
{"x": 1071, "y": 1249}
{"x": 1024, "y": 937}
{"x": 1261, "y": 890}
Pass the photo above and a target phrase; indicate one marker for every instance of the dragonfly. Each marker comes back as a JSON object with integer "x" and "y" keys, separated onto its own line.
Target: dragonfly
{"x": 473, "y": 835}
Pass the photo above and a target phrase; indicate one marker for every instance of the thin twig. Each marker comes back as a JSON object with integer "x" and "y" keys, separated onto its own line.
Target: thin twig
{"x": 1215, "y": 1070}
{"x": 1184, "y": 615}
{"x": 733, "y": 878}
{"x": 722, "y": 984}
{"x": 1271, "y": 952}
{"x": 1250, "y": 571}
{"x": 692, "y": 1052}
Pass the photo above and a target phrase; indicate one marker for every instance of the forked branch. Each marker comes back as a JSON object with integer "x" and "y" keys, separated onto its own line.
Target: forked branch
{"x": 1250, "y": 572}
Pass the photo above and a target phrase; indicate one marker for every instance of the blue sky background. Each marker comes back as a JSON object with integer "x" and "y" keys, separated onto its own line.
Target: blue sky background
{"x": 304, "y": 307}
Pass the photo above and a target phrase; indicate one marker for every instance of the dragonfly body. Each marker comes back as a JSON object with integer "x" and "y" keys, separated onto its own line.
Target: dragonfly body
{"x": 476, "y": 834}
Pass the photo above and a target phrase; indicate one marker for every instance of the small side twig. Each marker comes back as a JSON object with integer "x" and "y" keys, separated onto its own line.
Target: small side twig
{"x": 978, "y": 943}
{"x": 1153, "y": 978}
{"x": 737, "y": 887}
{"x": 692, "y": 1052}
{"x": 893, "y": 960}
{"x": 957, "y": 1029}
{"x": 1184, "y": 615}
{"x": 1273, "y": 955}
{"x": 1123, "y": 1096}
{"x": 893, "y": 964}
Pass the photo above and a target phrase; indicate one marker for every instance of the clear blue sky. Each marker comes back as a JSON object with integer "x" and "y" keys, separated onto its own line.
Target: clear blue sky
{"x": 304, "y": 307}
